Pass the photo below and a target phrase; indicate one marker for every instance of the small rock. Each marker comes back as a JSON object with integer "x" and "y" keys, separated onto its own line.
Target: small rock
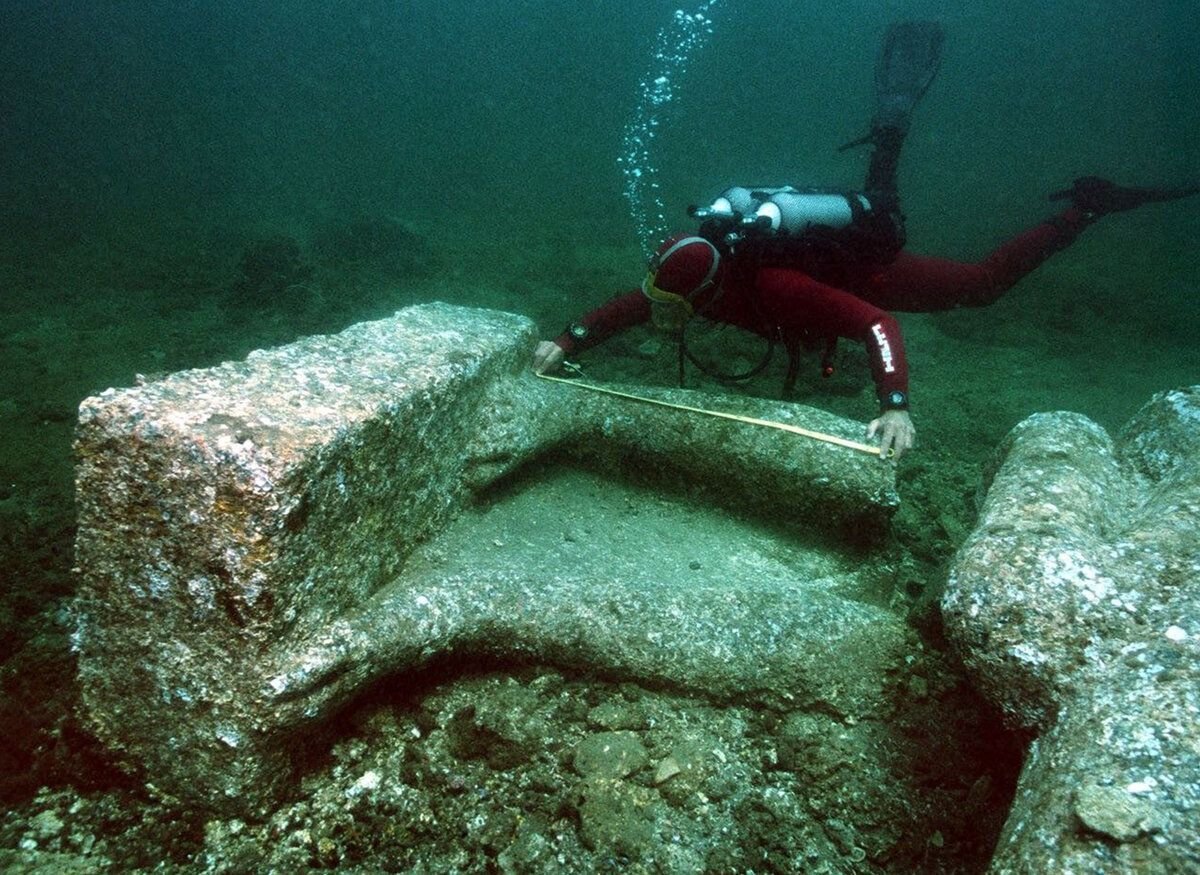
{"x": 617, "y": 817}
{"x": 46, "y": 825}
{"x": 617, "y": 715}
{"x": 527, "y": 852}
{"x": 368, "y": 781}
{"x": 1112, "y": 812}
{"x": 610, "y": 755}
{"x": 668, "y": 768}
{"x": 649, "y": 348}
{"x": 702, "y": 770}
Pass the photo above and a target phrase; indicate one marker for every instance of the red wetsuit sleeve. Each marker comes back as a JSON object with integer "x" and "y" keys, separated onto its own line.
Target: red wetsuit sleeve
{"x": 798, "y": 303}
{"x": 617, "y": 315}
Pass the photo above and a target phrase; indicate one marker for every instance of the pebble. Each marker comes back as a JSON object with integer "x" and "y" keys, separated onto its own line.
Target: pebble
{"x": 616, "y": 715}
{"x": 610, "y": 755}
{"x": 667, "y": 768}
{"x": 47, "y": 825}
{"x": 650, "y": 348}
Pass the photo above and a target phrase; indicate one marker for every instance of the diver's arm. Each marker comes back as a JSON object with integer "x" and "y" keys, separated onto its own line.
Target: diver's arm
{"x": 797, "y": 303}
{"x": 885, "y": 351}
{"x": 617, "y": 315}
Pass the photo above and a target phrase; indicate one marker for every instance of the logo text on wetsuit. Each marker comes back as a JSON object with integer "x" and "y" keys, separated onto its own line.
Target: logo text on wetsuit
{"x": 885, "y": 348}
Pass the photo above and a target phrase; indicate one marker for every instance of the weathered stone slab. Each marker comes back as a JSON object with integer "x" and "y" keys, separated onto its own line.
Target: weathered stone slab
{"x": 1076, "y": 607}
{"x": 244, "y": 532}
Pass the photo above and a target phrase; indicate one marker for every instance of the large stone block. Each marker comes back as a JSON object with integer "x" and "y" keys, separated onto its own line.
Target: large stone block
{"x": 1076, "y": 607}
{"x": 244, "y": 532}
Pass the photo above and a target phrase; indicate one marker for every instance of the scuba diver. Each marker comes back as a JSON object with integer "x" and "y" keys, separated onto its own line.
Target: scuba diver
{"x": 804, "y": 267}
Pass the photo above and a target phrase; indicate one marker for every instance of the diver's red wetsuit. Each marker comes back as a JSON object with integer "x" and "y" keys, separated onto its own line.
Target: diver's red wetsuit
{"x": 791, "y": 304}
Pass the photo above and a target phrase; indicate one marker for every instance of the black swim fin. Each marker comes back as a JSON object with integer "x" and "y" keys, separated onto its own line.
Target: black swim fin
{"x": 1099, "y": 196}
{"x": 908, "y": 62}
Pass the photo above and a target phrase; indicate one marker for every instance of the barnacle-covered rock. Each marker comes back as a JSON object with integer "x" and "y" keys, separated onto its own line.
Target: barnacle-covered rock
{"x": 245, "y": 534}
{"x": 1075, "y": 605}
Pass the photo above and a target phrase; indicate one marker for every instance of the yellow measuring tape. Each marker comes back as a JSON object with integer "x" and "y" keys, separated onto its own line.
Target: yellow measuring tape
{"x": 750, "y": 420}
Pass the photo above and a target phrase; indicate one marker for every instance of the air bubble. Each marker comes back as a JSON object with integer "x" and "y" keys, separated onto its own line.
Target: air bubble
{"x": 675, "y": 45}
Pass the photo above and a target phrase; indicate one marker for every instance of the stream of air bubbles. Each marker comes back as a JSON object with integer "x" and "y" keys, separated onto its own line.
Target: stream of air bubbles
{"x": 675, "y": 45}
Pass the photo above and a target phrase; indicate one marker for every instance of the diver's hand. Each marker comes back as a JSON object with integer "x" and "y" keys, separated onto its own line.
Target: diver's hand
{"x": 548, "y": 356}
{"x": 896, "y": 433}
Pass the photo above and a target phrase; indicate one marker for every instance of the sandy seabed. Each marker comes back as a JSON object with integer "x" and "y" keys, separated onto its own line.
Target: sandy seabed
{"x": 1091, "y": 332}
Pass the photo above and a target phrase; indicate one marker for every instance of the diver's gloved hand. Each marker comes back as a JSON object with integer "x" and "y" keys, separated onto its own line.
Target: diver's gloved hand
{"x": 1098, "y": 196}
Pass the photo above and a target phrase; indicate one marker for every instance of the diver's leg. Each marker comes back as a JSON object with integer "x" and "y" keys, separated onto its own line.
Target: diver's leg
{"x": 907, "y": 63}
{"x": 880, "y": 186}
{"x": 921, "y": 284}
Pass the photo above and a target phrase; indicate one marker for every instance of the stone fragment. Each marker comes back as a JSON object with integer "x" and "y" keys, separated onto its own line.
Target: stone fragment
{"x": 1066, "y": 604}
{"x": 616, "y": 715}
{"x": 610, "y": 755}
{"x": 47, "y": 825}
{"x": 668, "y": 767}
{"x": 1116, "y": 813}
{"x": 245, "y": 531}
{"x": 617, "y": 817}
{"x": 699, "y": 761}
{"x": 503, "y": 730}
{"x": 528, "y": 852}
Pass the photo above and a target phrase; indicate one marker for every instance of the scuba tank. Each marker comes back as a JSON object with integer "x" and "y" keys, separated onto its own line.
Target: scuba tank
{"x": 786, "y": 209}
{"x": 798, "y": 220}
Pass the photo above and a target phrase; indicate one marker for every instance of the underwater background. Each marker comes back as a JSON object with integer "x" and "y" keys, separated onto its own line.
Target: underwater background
{"x": 183, "y": 182}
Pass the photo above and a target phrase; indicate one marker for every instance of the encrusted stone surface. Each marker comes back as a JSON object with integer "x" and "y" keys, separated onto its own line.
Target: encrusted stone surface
{"x": 244, "y": 532}
{"x": 1076, "y": 607}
